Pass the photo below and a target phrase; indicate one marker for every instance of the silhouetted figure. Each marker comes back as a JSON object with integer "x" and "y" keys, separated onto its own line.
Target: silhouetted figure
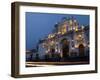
{"x": 37, "y": 56}
{"x": 52, "y": 52}
{"x": 65, "y": 48}
{"x": 46, "y": 57}
{"x": 81, "y": 50}
{"x": 31, "y": 57}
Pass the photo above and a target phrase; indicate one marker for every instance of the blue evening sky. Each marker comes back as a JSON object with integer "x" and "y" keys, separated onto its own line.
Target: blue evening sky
{"x": 39, "y": 25}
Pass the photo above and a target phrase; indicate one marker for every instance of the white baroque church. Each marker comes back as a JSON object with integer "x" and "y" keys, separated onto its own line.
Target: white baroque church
{"x": 67, "y": 39}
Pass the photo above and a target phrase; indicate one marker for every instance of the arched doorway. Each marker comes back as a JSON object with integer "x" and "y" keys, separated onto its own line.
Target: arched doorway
{"x": 65, "y": 47}
{"x": 81, "y": 50}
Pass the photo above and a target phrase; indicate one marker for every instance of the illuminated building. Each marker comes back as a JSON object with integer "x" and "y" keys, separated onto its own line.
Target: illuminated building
{"x": 67, "y": 32}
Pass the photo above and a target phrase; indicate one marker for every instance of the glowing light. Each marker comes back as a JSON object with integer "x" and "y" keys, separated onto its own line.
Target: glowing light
{"x": 70, "y": 22}
{"x": 56, "y": 50}
{"x": 76, "y": 29}
{"x": 61, "y": 55}
{"x": 73, "y": 28}
{"x": 64, "y": 29}
{"x": 75, "y": 20}
{"x": 59, "y": 32}
{"x": 62, "y": 32}
{"x": 76, "y": 46}
{"x": 79, "y": 35}
{"x": 82, "y": 27}
{"x": 51, "y": 35}
{"x": 59, "y": 51}
{"x": 46, "y": 51}
{"x": 52, "y": 43}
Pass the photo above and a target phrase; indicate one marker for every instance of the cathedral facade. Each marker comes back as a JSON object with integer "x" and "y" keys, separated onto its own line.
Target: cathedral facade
{"x": 68, "y": 39}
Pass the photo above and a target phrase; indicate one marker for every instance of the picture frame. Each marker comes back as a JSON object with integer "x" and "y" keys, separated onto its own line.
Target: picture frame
{"x": 23, "y": 15}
